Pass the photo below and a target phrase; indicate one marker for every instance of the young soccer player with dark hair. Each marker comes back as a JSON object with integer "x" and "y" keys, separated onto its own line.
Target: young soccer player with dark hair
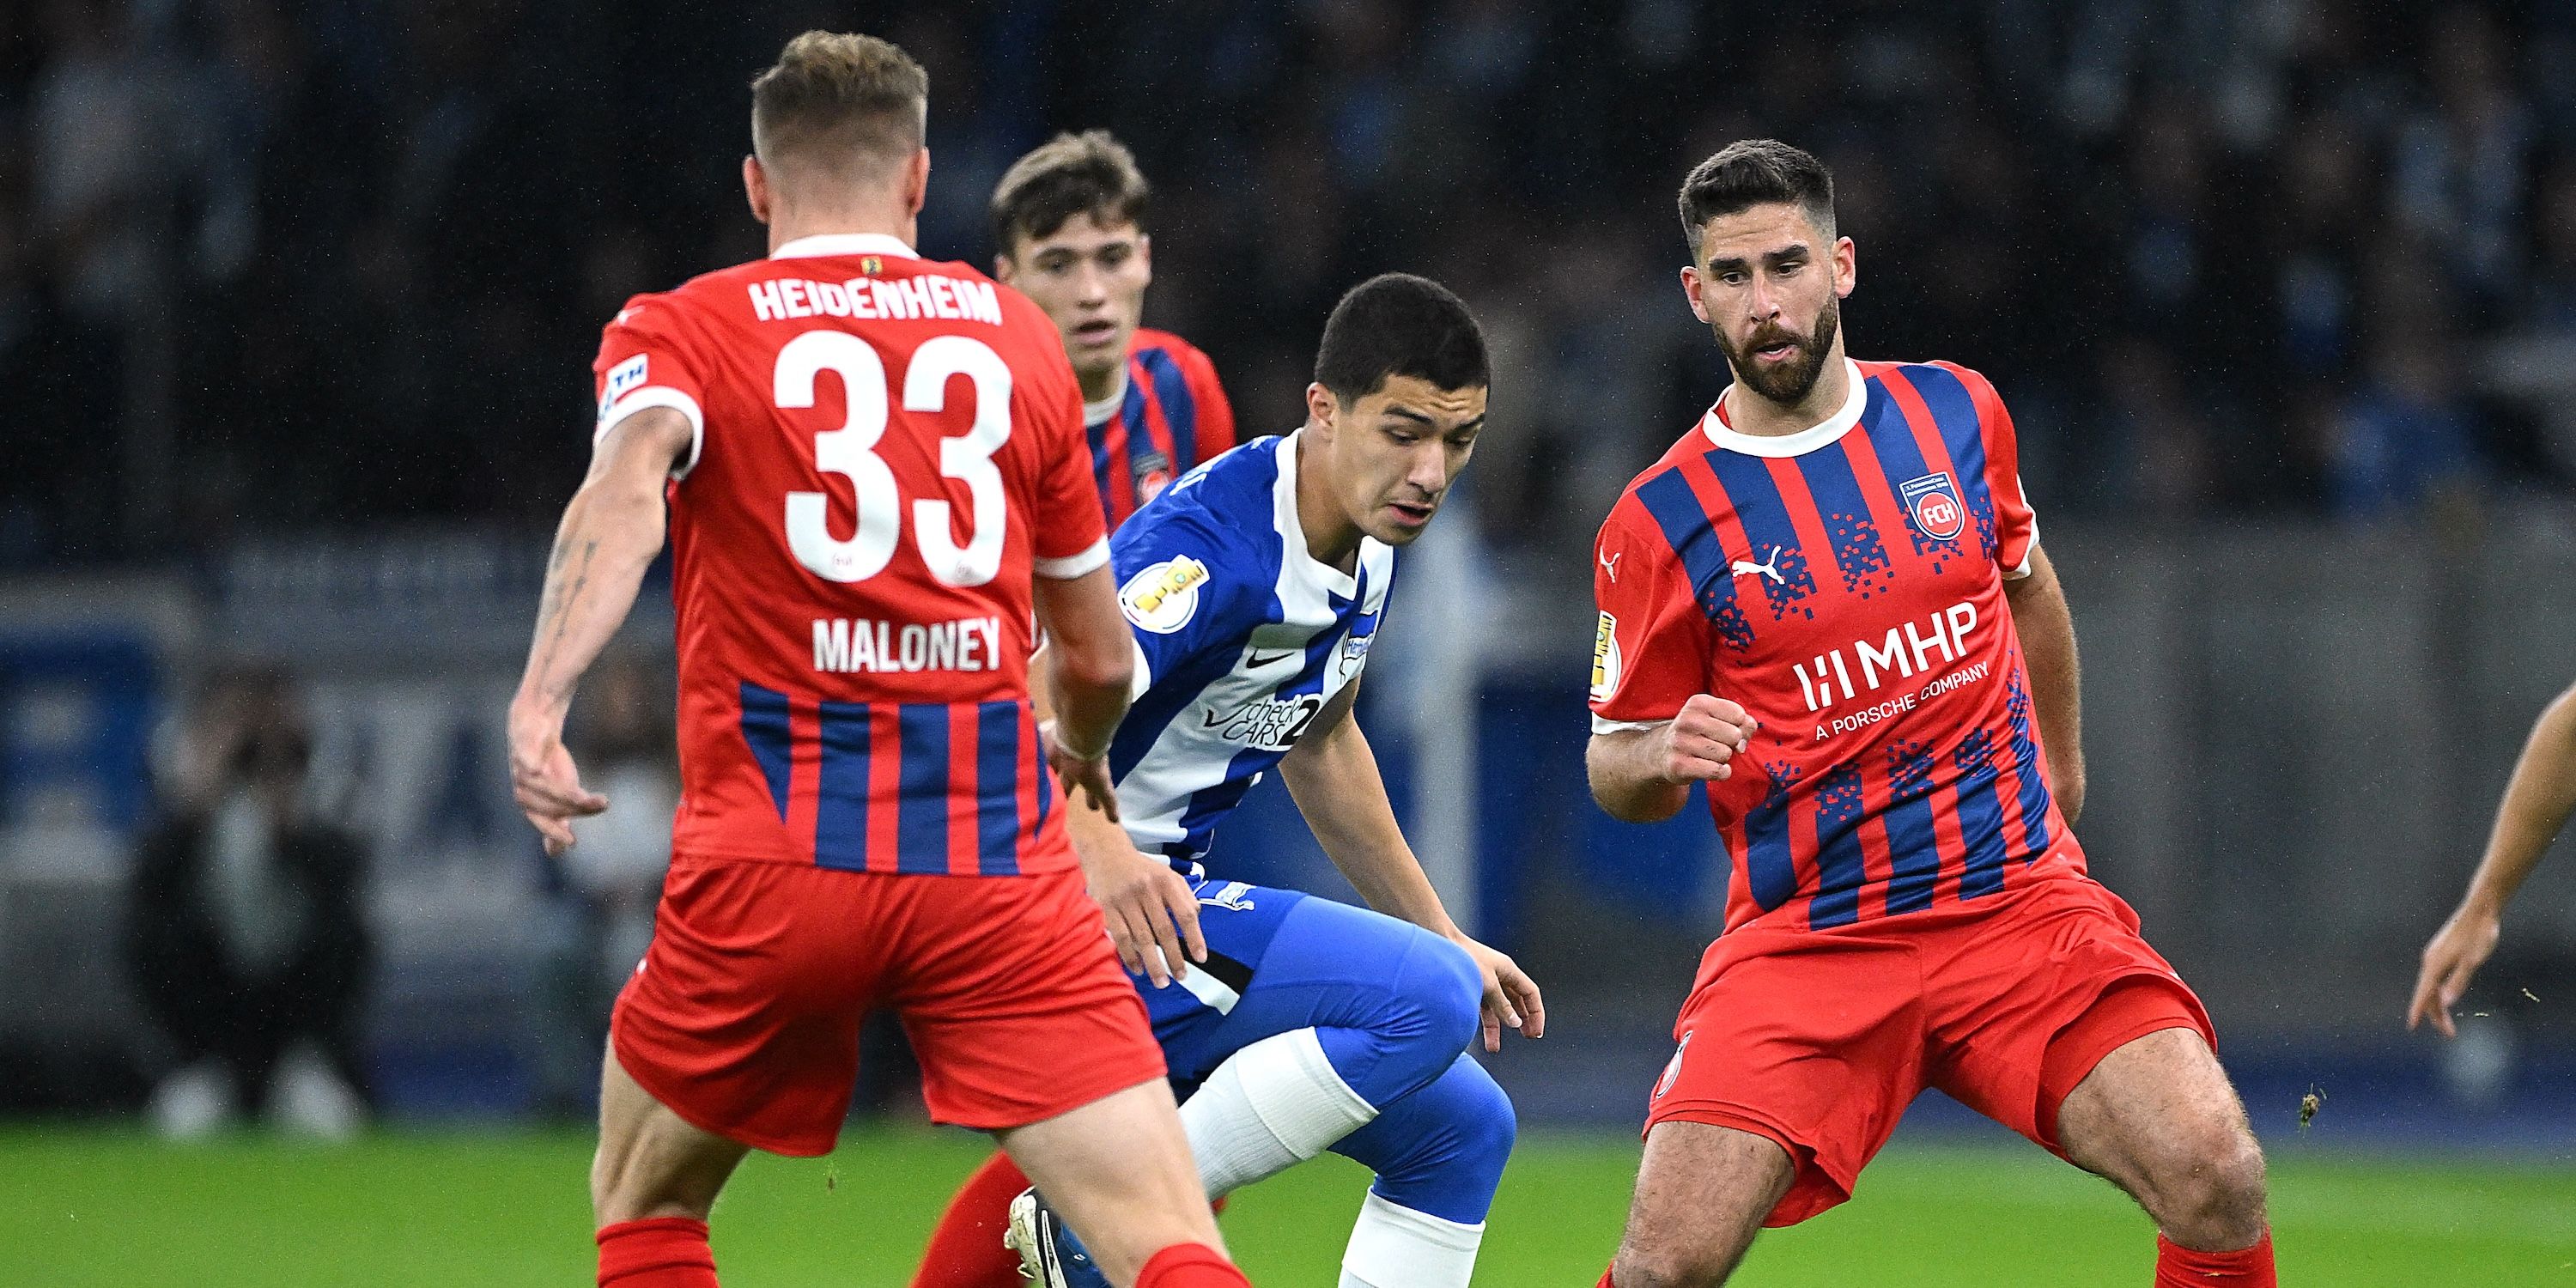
{"x": 1828, "y": 603}
{"x": 1254, "y": 588}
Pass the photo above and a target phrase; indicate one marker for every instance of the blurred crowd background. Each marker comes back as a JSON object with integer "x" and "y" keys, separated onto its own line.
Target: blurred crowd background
{"x": 297, "y": 302}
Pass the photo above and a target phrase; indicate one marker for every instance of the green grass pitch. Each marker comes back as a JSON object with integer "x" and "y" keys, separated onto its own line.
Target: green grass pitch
{"x": 92, "y": 1208}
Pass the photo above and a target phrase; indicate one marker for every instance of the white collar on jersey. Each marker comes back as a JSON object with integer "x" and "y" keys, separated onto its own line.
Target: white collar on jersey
{"x": 1797, "y": 444}
{"x": 844, "y": 244}
{"x": 1292, "y": 529}
{"x": 1096, "y": 413}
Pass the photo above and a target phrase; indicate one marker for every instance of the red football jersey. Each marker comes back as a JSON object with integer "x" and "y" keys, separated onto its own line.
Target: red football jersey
{"x": 1846, "y": 585}
{"x": 1172, "y": 416}
{"x": 887, "y": 450}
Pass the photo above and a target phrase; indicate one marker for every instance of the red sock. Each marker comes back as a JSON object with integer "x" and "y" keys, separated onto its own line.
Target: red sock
{"x": 1190, "y": 1265}
{"x": 966, "y": 1249}
{"x": 2181, "y": 1267}
{"x": 665, "y": 1252}
{"x": 1605, "y": 1281}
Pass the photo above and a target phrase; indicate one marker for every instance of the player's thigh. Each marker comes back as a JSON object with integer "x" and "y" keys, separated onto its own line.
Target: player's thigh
{"x": 1397, "y": 1001}
{"x": 2158, "y": 1117}
{"x": 1015, "y": 1002}
{"x": 744, "y": 1016}
{"x": 652, "y": 1162}
{"x": 1702, "y": 1193}
{"x": 1190, "y": 1014}
{"x": 1119, "y": 1170}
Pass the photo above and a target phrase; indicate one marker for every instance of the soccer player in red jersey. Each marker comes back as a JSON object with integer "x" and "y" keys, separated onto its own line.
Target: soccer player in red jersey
{"x": 1828, "y": 603}
{"x": 874, "y": 479}
{"x": 2537, "y": 803}
{"x": 1069, "y": 230}
{"x": 1068, "y": 225}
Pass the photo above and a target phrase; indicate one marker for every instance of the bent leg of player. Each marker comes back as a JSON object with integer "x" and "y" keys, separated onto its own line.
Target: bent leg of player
{"x": 1308, "y": 1018}
{"x": 1796, "y": 1055}
{"x": 1121, "y": 1168}
{"x": 1438, "y": 1154}
{"x": 2158, "y": 1118}
{"x": 1331, "y": 1015}
{"x": 2061, "y": 1023}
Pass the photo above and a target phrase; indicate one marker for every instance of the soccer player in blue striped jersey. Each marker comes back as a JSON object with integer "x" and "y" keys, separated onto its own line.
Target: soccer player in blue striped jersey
{"x": 1295, "y": 1024}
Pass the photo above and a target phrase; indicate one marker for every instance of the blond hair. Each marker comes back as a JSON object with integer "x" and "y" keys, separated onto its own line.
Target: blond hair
{"x": 841, "y": 103}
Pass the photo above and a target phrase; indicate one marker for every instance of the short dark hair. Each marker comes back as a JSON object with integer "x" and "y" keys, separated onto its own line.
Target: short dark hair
{"x": 1071, "y": 174}
{"x": 1396, "y": 324}
{"x": 842, "y": 102}
{"x": 1753, "y": 172}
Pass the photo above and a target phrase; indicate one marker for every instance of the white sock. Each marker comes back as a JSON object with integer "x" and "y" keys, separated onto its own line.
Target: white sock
{"x": 1270, "y": 1106}
{"x": 1396, "y": 1247}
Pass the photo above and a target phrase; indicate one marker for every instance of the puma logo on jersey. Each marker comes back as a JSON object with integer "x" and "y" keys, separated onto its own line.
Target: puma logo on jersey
{"x": 1610, "y": 564}
{"x": 1770, "y": 569}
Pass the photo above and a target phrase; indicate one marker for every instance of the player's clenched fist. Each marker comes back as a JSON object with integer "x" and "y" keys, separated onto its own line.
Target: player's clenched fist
{"x": 1697, "y": 744}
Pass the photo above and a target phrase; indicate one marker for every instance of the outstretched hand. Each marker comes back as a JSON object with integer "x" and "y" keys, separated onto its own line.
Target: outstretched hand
{"x": 2461, "y": 946}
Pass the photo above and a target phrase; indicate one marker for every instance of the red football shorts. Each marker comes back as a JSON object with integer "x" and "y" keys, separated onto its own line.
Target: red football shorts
{"x": 744, "y": 1016}
{"x": 1818, "y": 1040}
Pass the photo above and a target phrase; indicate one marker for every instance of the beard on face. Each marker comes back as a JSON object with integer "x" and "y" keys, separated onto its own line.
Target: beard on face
{"x": 1788, "y": 382}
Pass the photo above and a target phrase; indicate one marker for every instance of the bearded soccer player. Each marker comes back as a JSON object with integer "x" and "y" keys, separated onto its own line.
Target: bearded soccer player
{"x": 1254, "y": 588}
{"x": 874, "y": 478}
{"x": 1828, "y": 603}
{"x": 1069, "y": 230}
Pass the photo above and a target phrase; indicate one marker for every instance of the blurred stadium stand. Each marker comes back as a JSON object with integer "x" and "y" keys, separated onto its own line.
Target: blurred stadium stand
{"x": 297, "y": 301}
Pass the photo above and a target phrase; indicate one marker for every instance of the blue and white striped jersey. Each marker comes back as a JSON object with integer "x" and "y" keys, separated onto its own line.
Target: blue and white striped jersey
{"x": 1242, "y": 636}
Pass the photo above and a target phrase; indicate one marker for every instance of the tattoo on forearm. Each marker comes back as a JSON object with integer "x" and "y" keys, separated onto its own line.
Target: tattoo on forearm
{"x": 554, "y": 611}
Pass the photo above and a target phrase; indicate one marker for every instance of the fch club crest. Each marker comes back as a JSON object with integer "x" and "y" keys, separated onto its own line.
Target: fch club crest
{"x": 1933, "y": 501}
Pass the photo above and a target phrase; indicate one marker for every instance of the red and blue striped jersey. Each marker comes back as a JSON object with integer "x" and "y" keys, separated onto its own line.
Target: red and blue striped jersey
{"x": 888, "y": 451}
{"x": 1173, "y": 416}
{"x": 1846, "y": 585}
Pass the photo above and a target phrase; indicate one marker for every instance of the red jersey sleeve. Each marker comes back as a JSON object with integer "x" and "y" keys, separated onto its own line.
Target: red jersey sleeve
{"x": 1069, "y": 534}
{"x": 1215, "y": 414}
{"x": 1650, "y": 646}
{"x": 647, "y": 359}
{"x": 2016, "y": 528}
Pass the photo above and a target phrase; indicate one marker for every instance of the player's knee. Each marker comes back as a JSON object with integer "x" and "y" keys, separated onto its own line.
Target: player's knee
{"x": 1451, "y": 994}
{"x": 1670, "y": 1265}
{"x": 2213, "y": 1195}
{"x": 1477, "y": 1125}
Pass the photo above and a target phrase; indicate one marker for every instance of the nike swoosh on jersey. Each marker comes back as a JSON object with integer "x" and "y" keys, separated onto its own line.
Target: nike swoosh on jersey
{"x": 1256, "y": 661}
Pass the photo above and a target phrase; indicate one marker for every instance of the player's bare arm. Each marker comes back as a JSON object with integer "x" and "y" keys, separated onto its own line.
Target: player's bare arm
{"x": 2537, "y": 802}
{"x": 1090, "y": 662}
{"x": 1148, "y": 905}
{"x": 1333, "y": 776}
{"x": 609, "y": 535}
{"x": 2047, "y": 630}
{"x": 1643, "y": 774}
